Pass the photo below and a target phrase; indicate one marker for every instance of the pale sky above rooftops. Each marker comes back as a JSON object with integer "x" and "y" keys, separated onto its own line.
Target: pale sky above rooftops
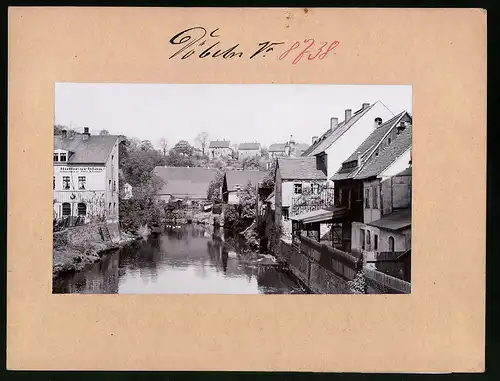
{"x": 240, "y": 113}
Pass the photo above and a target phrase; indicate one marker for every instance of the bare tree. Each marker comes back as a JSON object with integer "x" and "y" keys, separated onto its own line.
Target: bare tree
{"x": 104, "y": 132}
{"x": 202, "y": 140}
{"x": 164, "y": 146}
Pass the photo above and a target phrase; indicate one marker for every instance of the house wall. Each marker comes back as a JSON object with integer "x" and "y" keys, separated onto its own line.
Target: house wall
{"x": 288, "y": 190}
{"x": 401, "y": 241}
{"x": 219, "y": 152}
{"x": 248, "y": 153}
{"x": 101, "y": 188}
{"x": 233, "y": 197}
{"x": 371, "y": 213}
{"x": 278, "y": 196}
{"x": 352, "y": 138}
{"x": 277, "y": 154}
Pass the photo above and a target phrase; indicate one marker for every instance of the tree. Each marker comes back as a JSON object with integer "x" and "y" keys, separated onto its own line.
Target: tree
{"x": 250, "y": 162}
{"x": 201, "y": 140}
{"x": 215, "y": 186}
{"x": 268, "y": 181}
{"x": 164, "y": 146}
{"x": 104, "y": 132}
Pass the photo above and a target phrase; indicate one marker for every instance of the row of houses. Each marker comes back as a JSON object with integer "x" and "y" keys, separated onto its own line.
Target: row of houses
{"x": 222, "y": 148}
{"x": 351, "y": 189}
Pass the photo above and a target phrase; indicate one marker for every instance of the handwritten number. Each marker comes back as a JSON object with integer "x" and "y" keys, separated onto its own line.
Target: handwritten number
{"x": 319, "y": 51}
{"x": 332, "y": 46}
{"x": 295, "y": 45}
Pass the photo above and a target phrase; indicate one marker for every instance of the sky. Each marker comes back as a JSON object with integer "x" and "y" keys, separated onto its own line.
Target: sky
{"x": 240, "y": 113}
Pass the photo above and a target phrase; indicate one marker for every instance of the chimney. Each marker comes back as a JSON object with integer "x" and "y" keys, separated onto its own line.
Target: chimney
{"x": 334, "y": 122}
{"x": 321, "y": 163}
{"x": 314, "y": 138}
{"x": 86, "y": 133}
{"x": 347, "y": 115}
{"x": 64, "y": 133}
{"x": 366, "y": 105}
{"x": 378, "y": 122}
{"x": 401, "y": 127}
{"x": 359, "y": 158}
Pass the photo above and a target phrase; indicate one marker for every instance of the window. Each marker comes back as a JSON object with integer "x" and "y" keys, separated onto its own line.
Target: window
{"x": 109, "y": 207}
{"x": 114, "y": 185}
{"x": 54, "y": 183}
{"x": 367, "y": 198}
{"x": 56, "y": 157}
{"x": 362, "y": 238}
{"x": 66, "y": 209}
{"x": 65, "y": 182}
{"x": 368, "y": 239}
{"x": 315, "y": 188}
{"x": 389, "y": 141}
{"x": 336, "y": 196}
{"x": 375, "y": 197}
{"x": 109, "y": 184}
{"x": 82, "y": 209}
{"x": 391, "y": 244}
{"x": 63, "y": 156}
{"x": 285, "y": 213}
{"x": 375, "y": 242}
{"x": 81, "y": 182}
{"x": 297, "y": 188}
{"x": 114, "y": 207}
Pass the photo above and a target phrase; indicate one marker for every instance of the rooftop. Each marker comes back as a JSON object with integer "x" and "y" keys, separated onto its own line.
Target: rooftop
{"x": 300, "y": 168}
{"x": 397, "y": 220}
{"x": 183, "y": 182}
{"x": 329, "y": 137}
{"x": 219, "y": 144}
{"x": 91, "y": 149}
{"x": 249, "y": 146}
{"x": 277, "y": 147}
{"x": 241, "y": 178}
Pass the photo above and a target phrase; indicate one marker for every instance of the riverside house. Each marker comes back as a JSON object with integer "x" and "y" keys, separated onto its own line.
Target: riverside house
{"x": 184, "y": 183}
{"x": 85, "y": 180}
{"x": 341, "y": 139}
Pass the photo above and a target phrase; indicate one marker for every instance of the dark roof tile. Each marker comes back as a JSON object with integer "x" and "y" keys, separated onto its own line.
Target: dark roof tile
{"x": 93, "y": 150}
{"x": 300, "y": 168}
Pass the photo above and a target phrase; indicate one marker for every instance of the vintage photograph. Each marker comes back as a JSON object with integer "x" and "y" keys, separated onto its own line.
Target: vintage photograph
{"x": 232, "y": 189}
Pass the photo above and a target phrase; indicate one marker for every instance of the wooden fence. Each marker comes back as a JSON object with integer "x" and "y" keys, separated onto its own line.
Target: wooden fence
{"x": 388, "y": 281}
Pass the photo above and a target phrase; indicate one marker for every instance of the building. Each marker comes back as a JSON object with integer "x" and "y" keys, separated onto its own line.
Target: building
{"x": 85, "y": 180}
{"x": 362, "y": 183}
{"x": 235, "y": 181}
{"x": 248, "y": 150}
{"x": 219, "y": 148}
{"x": 278, "y": 150}
{"x": 292, "y": 177}
{"x": 341, "y": 139}
{"x": 184, "y": 183}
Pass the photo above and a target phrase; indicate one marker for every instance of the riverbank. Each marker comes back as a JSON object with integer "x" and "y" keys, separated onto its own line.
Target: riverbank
{"x": 78, "y": 247}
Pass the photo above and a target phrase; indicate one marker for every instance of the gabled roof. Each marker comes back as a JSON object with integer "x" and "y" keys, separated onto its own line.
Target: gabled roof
{"x": 377, "y": 164}
{"x": 302, "y": 146}
{"x": 93, "y": 150}
{"x": 300, "y": 168}
{"x": 249, "y": 146}
{"x": 241, "y": 178}
{"x": 367, "y": 149}
{"x": 329, "y": 137}
{"x": 183, "y": 182}
{"x": 277, "y": 147}
{"x": 219, "y": 144}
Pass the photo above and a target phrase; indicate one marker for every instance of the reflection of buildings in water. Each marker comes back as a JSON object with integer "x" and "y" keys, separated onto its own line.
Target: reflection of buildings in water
{"x": 102, "y": 278}
{"x": 224, "y": 257}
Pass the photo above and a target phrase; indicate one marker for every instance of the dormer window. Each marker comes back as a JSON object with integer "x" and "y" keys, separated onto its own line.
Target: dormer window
{"x": 62, "y": 157}
{"x": 56, "y": 157}
{"x": 389, "y": 141}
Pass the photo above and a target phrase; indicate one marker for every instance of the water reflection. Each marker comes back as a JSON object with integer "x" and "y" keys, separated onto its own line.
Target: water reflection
{"x": 187, "y": 260}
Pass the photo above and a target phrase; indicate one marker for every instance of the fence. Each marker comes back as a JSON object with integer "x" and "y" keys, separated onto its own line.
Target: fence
{"x": 387, "y": 281}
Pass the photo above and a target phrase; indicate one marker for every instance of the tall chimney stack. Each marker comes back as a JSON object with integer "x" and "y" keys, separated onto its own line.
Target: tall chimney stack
{"x": 366, "y": 105}
{"x": 86, "y": 133}
{"x": 348, "y": 113}
{"x": 314, "y": 138}
{"x": 334, "y": 122}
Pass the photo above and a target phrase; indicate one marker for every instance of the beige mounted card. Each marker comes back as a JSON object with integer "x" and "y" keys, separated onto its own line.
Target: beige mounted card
{"x": 63, "y": 63}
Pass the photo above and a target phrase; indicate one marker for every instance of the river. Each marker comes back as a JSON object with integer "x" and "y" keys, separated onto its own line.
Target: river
{"x": 187, "y": 260}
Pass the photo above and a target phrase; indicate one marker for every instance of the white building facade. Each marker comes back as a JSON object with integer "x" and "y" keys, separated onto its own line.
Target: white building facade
{"x": 85, "y": 177}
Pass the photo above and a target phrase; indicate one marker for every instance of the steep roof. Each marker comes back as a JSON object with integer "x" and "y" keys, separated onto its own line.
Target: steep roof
{"x": 249, "y": 146}
{"x": 377, "y": 164}
{"x": 93, "y": 150}
{"x": 241, "y": 178}
{"x": 329, "y": 137}
{"x": 300, "y": 168}
{"x": 182, "y": 182}
{"x": 277, "y": 147}
{"x": 368, "y": 148}
{"x": 302, "y": 146}
{"x": 219, "y": 144}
